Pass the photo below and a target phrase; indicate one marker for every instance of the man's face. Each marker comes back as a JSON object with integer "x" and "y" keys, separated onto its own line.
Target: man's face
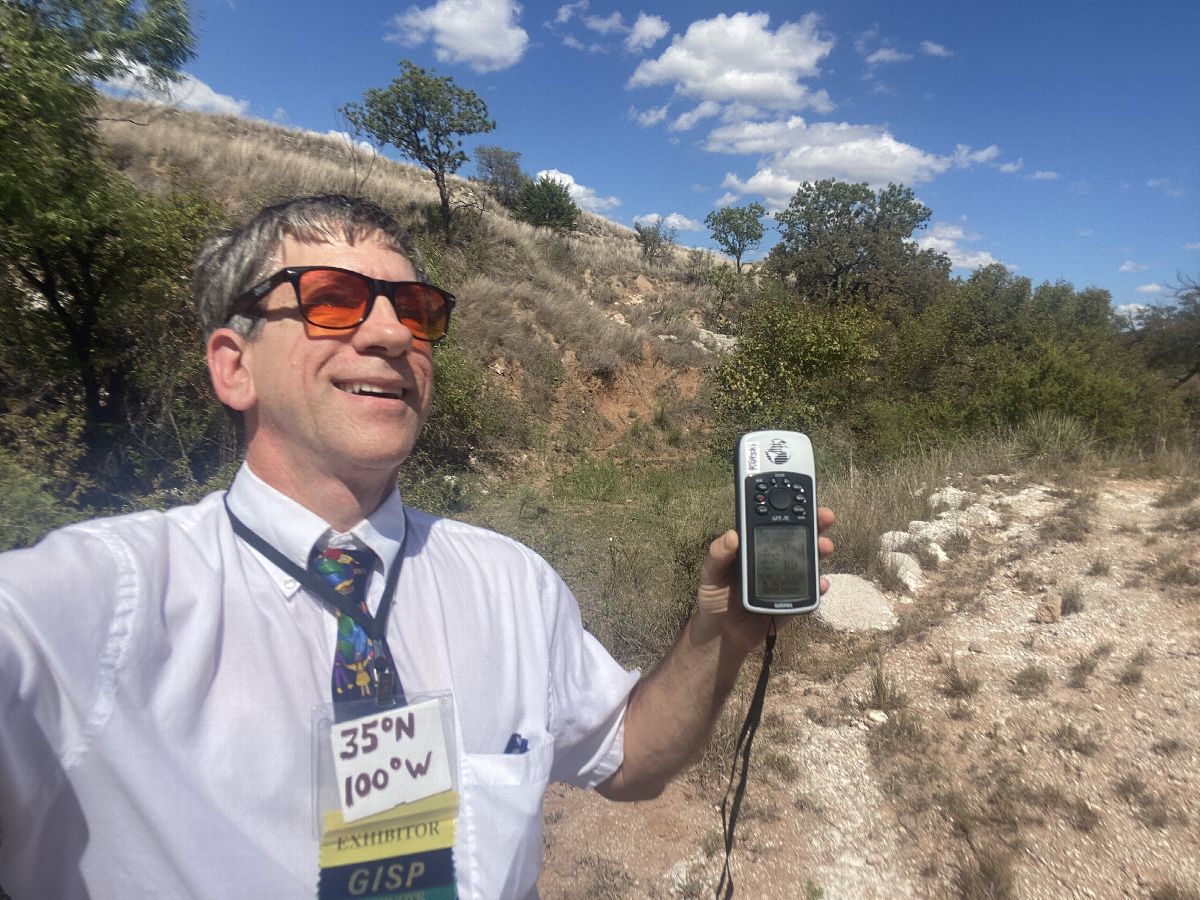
{"x": 346, "y": 405}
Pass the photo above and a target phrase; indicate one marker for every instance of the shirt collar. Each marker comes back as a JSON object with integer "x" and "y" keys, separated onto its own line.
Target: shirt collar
{"x": 294, "y": 530}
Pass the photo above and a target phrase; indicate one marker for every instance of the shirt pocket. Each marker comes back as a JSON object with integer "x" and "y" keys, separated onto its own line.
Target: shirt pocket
{"x": 502, "y": 821}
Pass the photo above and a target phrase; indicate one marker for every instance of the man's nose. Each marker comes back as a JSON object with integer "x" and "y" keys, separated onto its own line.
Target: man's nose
{"x": 382, "y": 330}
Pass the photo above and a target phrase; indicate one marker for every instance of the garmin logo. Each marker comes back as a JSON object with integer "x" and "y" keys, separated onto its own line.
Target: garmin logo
{"x": 752, "y": 462}
{"x": 777, "y": 453}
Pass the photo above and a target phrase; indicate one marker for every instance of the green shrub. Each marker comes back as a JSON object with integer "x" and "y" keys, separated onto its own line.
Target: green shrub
{"x": 796, "y": 364}
{"x": 28, "y": 507}
{"x": 547, "y": 203}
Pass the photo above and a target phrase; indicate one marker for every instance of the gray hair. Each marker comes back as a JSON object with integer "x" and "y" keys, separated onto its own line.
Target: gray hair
{"x": 232, "y": 262}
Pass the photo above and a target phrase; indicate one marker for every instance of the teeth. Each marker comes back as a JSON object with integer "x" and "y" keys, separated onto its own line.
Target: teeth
{"x": 368, "y": 389}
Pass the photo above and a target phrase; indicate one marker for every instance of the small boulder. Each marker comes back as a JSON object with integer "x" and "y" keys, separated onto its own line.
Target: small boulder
{"x": 895, "y": 541}
{"x": 906, "y": 569}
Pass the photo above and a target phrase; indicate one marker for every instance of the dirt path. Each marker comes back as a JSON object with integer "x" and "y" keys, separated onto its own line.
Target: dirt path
{"x": 973, "y": 751}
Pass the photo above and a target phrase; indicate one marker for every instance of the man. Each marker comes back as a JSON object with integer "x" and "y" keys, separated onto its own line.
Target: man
{"x": 163, "y": 675}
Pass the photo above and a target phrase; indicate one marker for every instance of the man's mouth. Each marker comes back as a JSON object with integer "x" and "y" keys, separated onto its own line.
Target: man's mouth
{"x": 362, "y": 389}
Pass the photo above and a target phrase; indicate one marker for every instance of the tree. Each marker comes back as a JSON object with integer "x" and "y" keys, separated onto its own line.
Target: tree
{"x": 424, "y": 117}
{"x": 500, "y": 171}
{"x": 795, "y": 365}
{"x": 737, "y": 229}
{"x": 92, "y": 273}
{"x": 656, "y": 238}
{"x": 547, "y": 203}
{"x": 51, "y": 52}
{"x": 1171, "y": 334}
{"x": 845, "y": 241}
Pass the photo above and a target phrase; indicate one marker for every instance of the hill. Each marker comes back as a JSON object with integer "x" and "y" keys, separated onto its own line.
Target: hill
{"x": 577, "y": 331}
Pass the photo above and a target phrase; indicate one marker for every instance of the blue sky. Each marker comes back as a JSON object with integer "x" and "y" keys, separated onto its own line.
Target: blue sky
{"x": 1061, "y": 139}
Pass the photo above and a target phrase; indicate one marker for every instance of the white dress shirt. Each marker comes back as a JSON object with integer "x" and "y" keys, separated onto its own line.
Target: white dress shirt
{"x": 158, "y": 679}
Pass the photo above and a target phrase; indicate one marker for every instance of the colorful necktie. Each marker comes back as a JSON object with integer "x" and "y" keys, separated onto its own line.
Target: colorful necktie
{"x": 357, "y": 659}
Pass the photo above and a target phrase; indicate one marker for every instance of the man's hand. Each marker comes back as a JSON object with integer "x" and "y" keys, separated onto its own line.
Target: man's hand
{"x": 719, "y": 605}
{"x": 672, "y": 710}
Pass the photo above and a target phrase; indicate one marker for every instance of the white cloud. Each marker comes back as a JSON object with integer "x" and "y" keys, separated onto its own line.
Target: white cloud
{"x": 585, "y": 197}
{"x": 1131, "y": 310}
{"x": 1153, "y": 289}
{"x": 964, "y": 156}
{"x": 946, "y": 238}
{"x": 1010, "y": 168}
{"x": 606, "y": 25}
{"x": 678, "y": 221}
{"x": 1130, "y": 266}
{"x": 649, "y": 117}
{"x": 344, "y": 137}
{"x": 575, "y": 44}
{"x": 481, "y": 33}
{"x": 1043, "y": 175}
{"x": 646, "y": 32}
{"x": 568, "y": 11}
{"x": 187, "y": 93}
{"x": 796, "y": 152}
{"x": 888, "y": 55}
{"x": 688, "y": 120}
{"x": 1166, "y": 185}
{"x": 738, "y": 59}
{"x": 929, "y": 48}
{"x": 1193, "y": 246}
{"x": 1087, "y": 232}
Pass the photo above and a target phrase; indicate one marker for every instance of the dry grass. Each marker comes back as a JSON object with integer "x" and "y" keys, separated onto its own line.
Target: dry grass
{"x": 1180, "y": 493}
{"x": 1085, "y": 742}
{"x": 1072, "y": 600}
{"x": 988, "y": 874}
{"x": 960, "y": 682}
{"x": 1073, "y": 522}
{"x": 1032, "y": 681}
{"x": 1134, "y": 672}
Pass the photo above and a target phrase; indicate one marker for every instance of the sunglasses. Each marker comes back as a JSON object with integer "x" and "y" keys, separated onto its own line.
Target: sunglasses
{"x": 340, "y": 299}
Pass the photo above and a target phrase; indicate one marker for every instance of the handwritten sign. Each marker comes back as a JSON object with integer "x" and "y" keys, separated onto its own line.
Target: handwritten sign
{"x": 389, "y": 758}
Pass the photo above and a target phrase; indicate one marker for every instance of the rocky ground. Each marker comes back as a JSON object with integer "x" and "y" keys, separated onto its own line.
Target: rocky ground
{"x": 1017, "y": 716}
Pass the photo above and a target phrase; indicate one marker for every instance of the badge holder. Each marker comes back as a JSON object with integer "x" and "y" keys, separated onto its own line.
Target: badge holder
{"x": 385, "y": 798}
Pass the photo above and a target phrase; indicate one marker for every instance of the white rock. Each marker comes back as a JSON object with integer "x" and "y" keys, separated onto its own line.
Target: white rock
{"x": 977, "y": 515}
{"x": 948, "y": 498}
{"x": 905, "y": 568}
{"x": 895, "y": 541}
{"x": 939, "y": 532}
{"x": 854, "y": 604}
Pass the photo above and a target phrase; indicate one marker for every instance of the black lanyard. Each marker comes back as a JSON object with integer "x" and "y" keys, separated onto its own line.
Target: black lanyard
{"x": 374, "y": 626}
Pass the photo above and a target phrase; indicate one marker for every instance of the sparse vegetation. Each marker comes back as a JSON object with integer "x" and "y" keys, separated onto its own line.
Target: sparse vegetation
{"x": 1180, "y": 493}
{"x": 1072, "y": 600}
{"x": 885, "y": 695}
{"x": 1135, "y": 670}
{"x": 1073, "y": 523}
{"x": 961, "y": 683}
{"x": 1031, "y": 681}
{"x": 987, "y": 875}
{"x": 1083, "y": 668}
{"x": 1148, "y": 806}
{"x": 1069, "y": 737}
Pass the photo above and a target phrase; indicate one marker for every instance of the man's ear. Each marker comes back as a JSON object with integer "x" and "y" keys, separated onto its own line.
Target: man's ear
{"x": 231, "y": 377}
